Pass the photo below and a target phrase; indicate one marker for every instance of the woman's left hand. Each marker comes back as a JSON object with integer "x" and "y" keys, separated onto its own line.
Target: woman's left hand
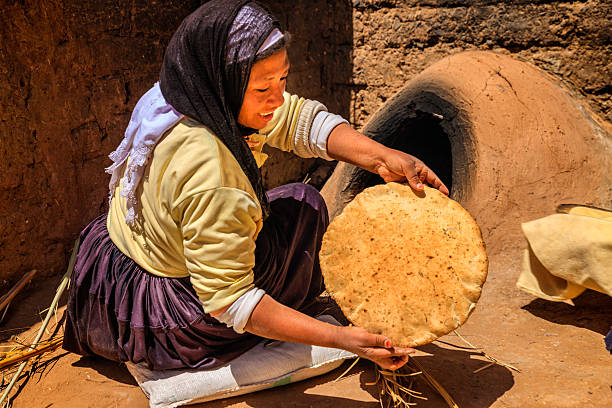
{"x": 399, "y": 166}
{"x": 346, "y": 144}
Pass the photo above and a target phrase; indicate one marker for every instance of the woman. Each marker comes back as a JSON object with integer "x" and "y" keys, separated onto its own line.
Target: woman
{"x": 195, "y": 263}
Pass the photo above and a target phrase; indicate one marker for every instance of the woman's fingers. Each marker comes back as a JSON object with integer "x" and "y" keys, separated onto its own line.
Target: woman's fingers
{"x": 399, "y": 166}
{"x": 380, "y": 353}
{"x": 418, "y": 176}
{"x": 397, "y": 362}
{"x": 376, "y": 340}
{"x": 381, "y": 347}
{"x": 392, "y": 363}
{"x": 376, "y": 347}
{"x": 428, "y": 176}
{"x": 412, "y": 175}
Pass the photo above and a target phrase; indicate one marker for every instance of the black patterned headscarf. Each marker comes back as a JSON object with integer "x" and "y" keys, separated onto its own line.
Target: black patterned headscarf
{"x": 206, "y": 69}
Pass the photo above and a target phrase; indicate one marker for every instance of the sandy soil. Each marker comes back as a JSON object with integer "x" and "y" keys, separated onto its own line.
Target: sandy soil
{"x": 558, "y": 348}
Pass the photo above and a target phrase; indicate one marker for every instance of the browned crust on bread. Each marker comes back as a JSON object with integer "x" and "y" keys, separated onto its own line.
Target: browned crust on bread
{"x": 407, "y": 264}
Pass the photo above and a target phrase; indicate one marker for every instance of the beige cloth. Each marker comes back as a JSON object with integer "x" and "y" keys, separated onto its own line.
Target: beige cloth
{"x": 568, "y": 253}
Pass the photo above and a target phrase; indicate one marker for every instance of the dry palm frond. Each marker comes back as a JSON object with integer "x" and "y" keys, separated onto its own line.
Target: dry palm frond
{"x": 436, "y": 385}
{"x": 484, "y": 367}
{"x": 395, "y": 387}
{"x": 493, "y": 360}
{"x": 43, "y": 327}
{"x": 347, "y": 370}
{"x": 42, "y": 347}
{"x": 5, "y": 300}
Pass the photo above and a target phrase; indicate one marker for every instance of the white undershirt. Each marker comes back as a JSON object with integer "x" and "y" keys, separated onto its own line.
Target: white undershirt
{"x": 238, "y": 313}
{"x": 322, "y": 125}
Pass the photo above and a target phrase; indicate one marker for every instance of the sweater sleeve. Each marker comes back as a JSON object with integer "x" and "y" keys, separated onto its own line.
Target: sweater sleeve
{"x": 301, "y": 126}
{"x": 290, "y": 126}
{"x": 219, "y": 228}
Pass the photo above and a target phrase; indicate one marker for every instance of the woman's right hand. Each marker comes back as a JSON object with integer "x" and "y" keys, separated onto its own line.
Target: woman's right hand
{"x": 375, "y": 347}
{"x": 274, "y": 320}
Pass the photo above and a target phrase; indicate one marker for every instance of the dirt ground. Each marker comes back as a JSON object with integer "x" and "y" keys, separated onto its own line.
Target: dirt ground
{"x": 558, "y": 348}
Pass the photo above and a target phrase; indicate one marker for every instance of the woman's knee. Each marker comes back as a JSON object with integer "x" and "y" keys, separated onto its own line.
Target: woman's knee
{"x": 300, "y": 192}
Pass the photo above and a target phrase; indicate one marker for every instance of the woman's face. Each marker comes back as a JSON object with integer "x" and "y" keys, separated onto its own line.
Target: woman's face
{"x": 264, "y": 91}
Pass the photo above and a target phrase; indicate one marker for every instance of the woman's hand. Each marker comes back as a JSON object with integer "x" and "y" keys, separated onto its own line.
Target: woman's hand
{"x": 346, "y": 144}
{"x": 375, "y": 347}
{"x": 274, "y": 320}
{"x": 399, "y": 166}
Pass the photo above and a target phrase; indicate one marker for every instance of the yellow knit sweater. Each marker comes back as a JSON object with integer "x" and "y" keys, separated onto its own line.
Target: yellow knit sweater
{"x": 198, "y": 214}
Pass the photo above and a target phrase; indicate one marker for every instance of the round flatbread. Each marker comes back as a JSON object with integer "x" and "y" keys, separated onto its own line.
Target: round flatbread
{"x": 406, "y": 264}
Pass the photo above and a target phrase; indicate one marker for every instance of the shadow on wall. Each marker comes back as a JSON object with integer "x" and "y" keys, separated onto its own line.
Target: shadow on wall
{"x": 320, "y": 51}
{"x": 321, "y": 69}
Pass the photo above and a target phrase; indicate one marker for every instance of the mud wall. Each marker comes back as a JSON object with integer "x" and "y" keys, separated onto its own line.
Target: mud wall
{"x": 394, "y": 40}
{"x": 70, "y": 73}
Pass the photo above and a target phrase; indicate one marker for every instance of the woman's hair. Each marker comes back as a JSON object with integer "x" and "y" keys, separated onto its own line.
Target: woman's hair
{"x": 282, "y": 43}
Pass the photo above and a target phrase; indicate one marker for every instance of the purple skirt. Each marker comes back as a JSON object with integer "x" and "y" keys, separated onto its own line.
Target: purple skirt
{"x": 119, "y": 311}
